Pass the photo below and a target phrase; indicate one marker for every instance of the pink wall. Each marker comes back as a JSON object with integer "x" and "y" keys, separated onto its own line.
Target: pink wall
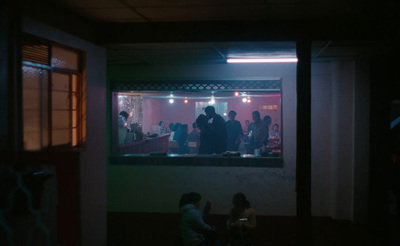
{"x": 156, "y": 110}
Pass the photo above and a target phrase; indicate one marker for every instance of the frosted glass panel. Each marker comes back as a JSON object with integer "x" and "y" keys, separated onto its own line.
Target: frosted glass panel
{"x": 35, "y": 108}
{"x": 74, "y": 101}
{"x": 74, "y": 82}
{"x": 60, "y": 100}
{"x": 64, "y": 58}
{"x": 74, "y": 118}
{"x": 60, "y": 82}
{"x": 32, "y": 132}
{"x": 60, "y": 137}
{"x": 74, "y": 137}
{"x": 60, "y": 119}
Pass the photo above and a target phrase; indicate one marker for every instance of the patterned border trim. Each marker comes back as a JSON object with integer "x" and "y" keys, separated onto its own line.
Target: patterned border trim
{"x": 209, "y": 85}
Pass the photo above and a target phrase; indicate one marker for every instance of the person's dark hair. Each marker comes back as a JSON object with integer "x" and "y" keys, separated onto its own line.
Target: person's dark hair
{"x": 232, "y": 112}
{"x": 171, "y": 126}
{"x": 184, "y": 127}
{"x": 124, "y": 114}
{"x": 240, "y": 199}
{"x": 210, "y": 109}
{"x": 160, "y": 123}
{"x": 256, "y": 112}
{"x": 267, "y": 119}
{"x": 275, "y": 125}
{"x": 194, "y": 125}
{"x": 201, "y": 120}
{"x": 177, "y": 126}
{"x": 247, "y": 121}
{"x": 189, "y": 198}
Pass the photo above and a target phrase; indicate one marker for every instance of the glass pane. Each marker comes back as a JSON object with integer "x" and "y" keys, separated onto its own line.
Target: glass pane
{"x": 144, "y": 118}
{"x": 74, "y": 101}
{"x": 60, "y": 137}
{"x": 74, "y": 137}
{"x": 64, "y": 58}
{"x": 74, "y": 118}
{"x": 60, "y": 120}
{"x": 35, "y": 108}
{"x": 74, "y": 83}
{"x": 60, "y": 100}
{"x": 60, "y": 82}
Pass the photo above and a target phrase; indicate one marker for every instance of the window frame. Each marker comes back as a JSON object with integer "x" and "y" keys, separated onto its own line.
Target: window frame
{"x": 182, "y": 160}
{"x": 79, "y": 73}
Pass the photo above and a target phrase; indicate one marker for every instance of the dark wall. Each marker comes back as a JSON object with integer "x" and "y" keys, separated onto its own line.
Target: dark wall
{"x": 9, "y": 76}
{"x": 385, "y": 87}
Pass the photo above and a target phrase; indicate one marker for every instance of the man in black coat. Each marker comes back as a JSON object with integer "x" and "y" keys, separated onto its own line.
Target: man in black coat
{"x": 218, "y": 129}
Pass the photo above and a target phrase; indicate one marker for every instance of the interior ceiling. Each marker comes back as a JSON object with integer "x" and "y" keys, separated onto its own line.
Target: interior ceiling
{"x": 152, "y": 11}
{"x": 211, "y": 10}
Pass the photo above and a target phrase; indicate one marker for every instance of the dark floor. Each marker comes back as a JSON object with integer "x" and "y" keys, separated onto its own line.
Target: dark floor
{"x": 162, "y": 229}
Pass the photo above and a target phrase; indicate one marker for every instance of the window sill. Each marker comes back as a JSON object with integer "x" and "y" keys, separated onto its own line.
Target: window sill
{"x": 197, "y": 160}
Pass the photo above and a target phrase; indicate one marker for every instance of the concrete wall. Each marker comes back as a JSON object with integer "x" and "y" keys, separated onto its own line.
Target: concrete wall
{"x": 93, "y": 158}
{"x": 155, "y": 110}
{"x": 3, "y": 76}
{"x": 271, "y": 191}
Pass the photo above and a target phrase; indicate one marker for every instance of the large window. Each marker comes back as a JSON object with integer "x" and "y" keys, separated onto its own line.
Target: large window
{"x": 51, "y": 96}
{"x": 146, "y": 115}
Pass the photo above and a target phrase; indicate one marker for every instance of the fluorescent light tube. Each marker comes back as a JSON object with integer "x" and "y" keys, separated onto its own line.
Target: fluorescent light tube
{"x": 262, "y": 60}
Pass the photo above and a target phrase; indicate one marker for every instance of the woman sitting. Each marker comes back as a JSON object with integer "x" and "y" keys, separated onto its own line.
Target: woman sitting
{"x": 242, "y": 221}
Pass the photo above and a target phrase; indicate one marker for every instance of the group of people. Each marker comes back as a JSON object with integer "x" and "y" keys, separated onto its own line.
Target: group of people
{"x": 212, "y": 134}
{"x": 220, "y": 136}
{"x": 195, "y": 232}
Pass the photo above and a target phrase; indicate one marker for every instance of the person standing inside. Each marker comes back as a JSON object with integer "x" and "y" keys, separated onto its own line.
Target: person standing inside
{"x": 234, "y": 131}
{"x": 206, "y": 138}
{"x": 218, "y": 129}
{"x": 259, "y": 133}
{"x": 194, "y": 136}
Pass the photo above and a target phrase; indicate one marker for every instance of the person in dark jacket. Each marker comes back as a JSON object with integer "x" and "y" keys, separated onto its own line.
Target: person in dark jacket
{"x": 234, "y": 131}
{"x": 206, "y": 138}
{"x": 218, "y": 129}
{"x": 192, "y": 225}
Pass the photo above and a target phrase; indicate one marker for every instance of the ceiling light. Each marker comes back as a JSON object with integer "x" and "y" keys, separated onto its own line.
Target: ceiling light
{"x": 244, "y": 99}
{"x": 237, "y": 94}
{"x": 262, "y": 60}
{"x": 212, "y": 101}
{"x": 171, "y": 101}
{"x": 185, "y": 101}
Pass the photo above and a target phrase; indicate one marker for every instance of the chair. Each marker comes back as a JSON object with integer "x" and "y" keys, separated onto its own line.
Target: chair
{"x": 193, "y": 148}
{"x": 173, "y": 146}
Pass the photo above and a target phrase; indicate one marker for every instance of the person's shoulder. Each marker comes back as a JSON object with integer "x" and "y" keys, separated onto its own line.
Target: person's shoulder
{"x": 218, "y": 116}
{"x": 251, "y": 211}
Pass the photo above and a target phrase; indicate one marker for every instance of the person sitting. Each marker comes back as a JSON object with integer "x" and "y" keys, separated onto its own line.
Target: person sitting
{"x": 193, "y": 140}
{"x": 163, "y": 129}
{"x": 274, "y": 132}
{"x": 242, "y": 221}
{"x": 192, "y": 225}
{"x": 175, "y": 131}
